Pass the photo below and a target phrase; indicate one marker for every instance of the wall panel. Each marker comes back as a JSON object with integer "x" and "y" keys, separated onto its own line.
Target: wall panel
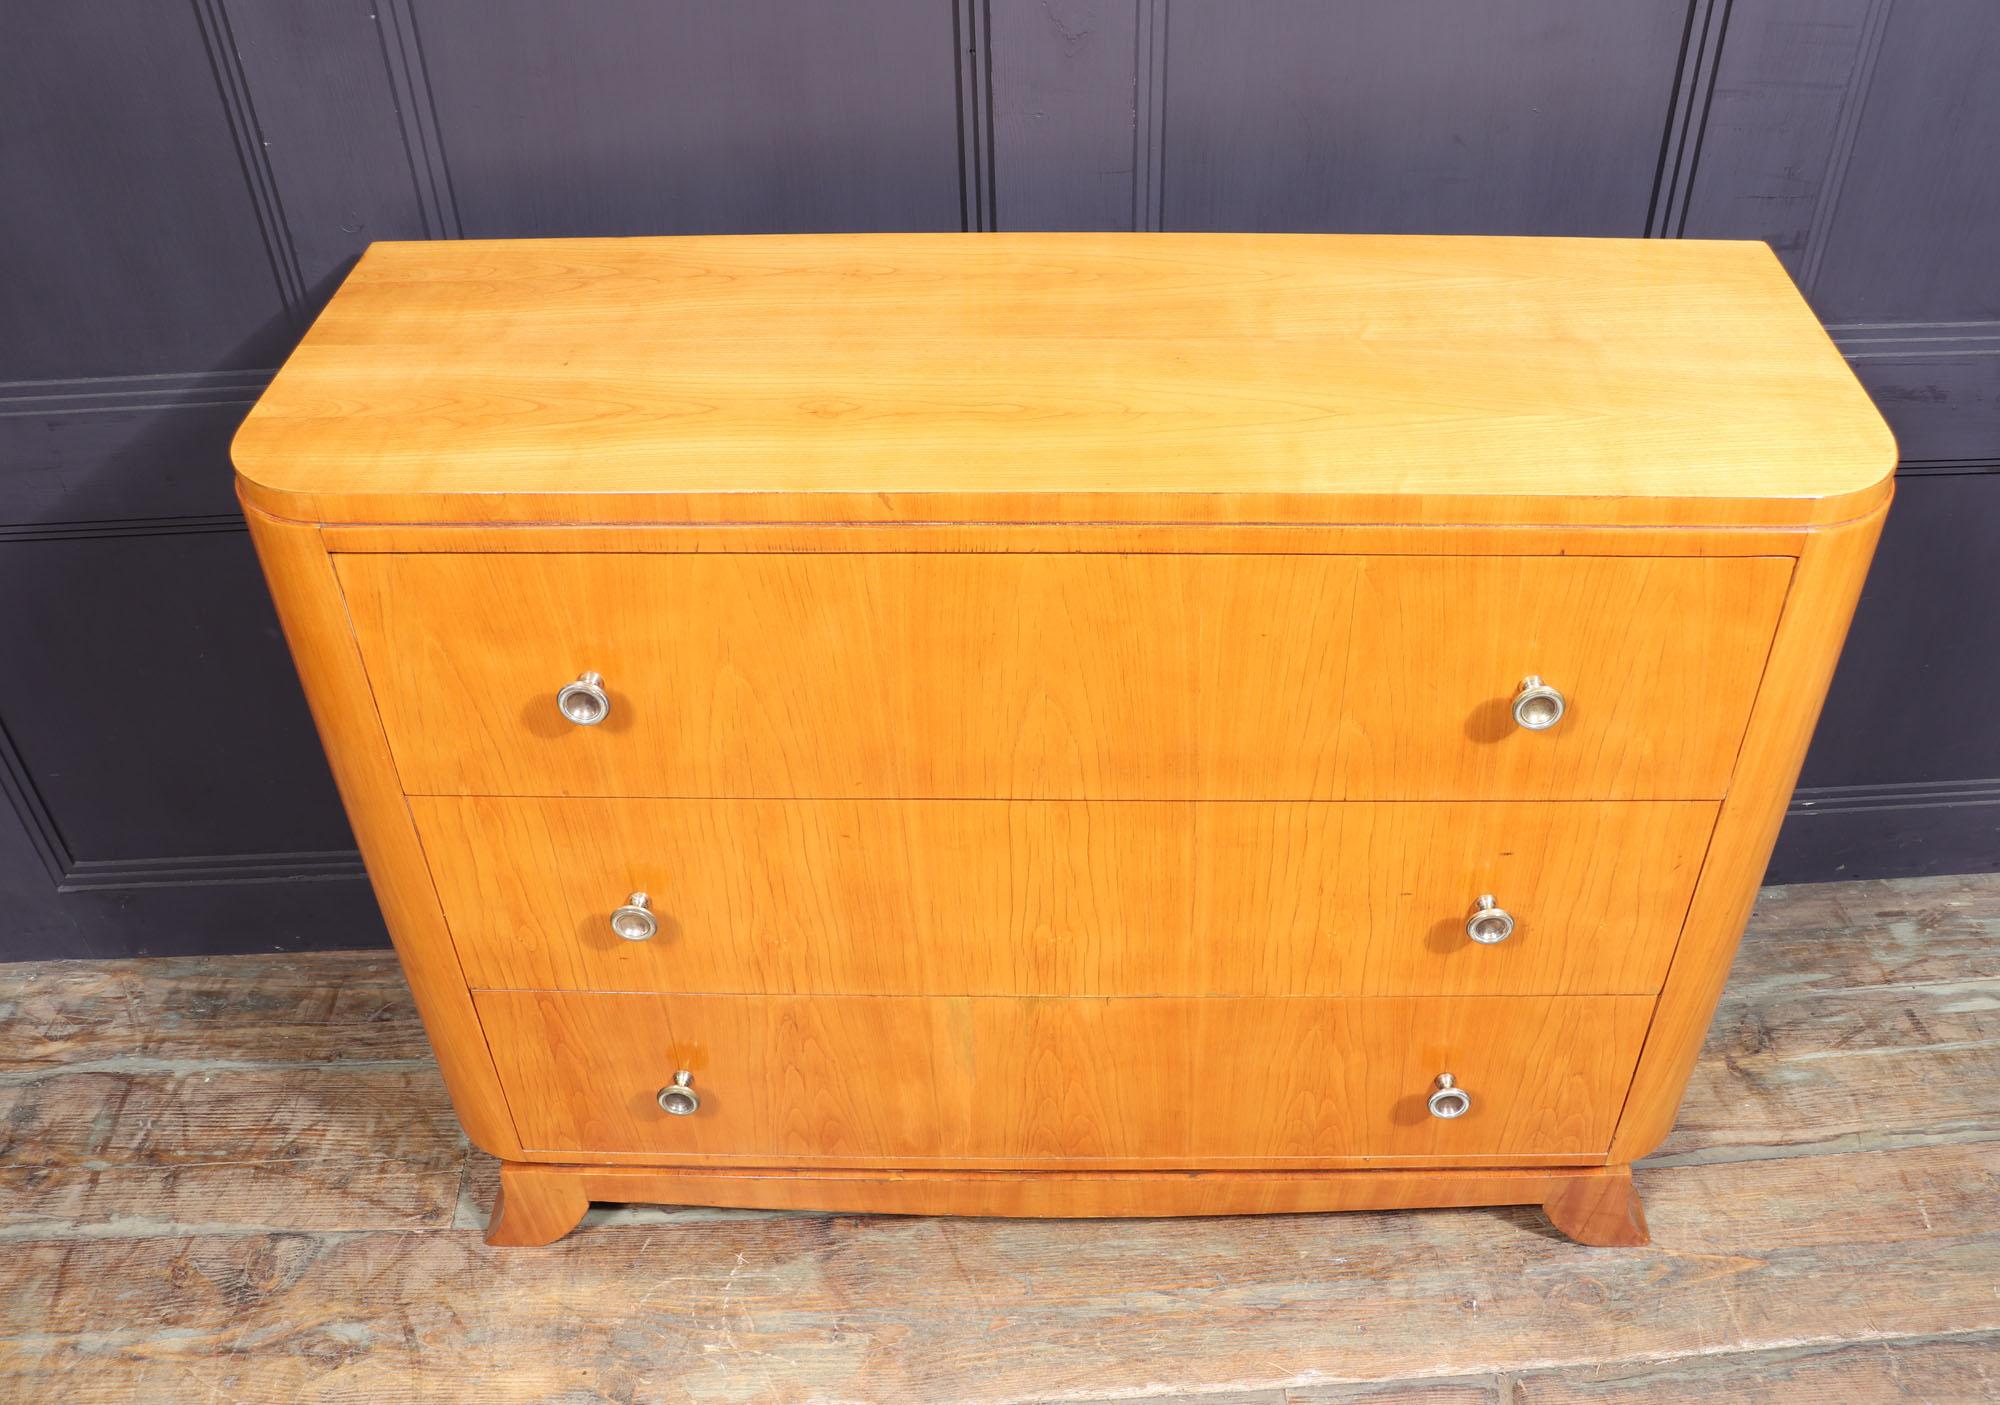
{"x": 1065, "y": 141}
{"x": 337, "y": 134}
{"x": 1783, "y": 91}
{"x": 1904, "y": 772}
{"x": 1939, "y": 388}
{"x": 118, "y": 450}
{"x": 1426, "y": 115}
{"x": 688, "y": 117}
{"x": 153, "y": 702}
{"x": 1859, "y": 137}
{"x": 1911, "y": 234}
{"x": 132, "y": 242}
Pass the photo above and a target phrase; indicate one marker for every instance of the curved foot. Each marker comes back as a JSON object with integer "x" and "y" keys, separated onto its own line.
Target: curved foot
{"x": 1601, "y": 1208}
{"x": 536, "y": 1205}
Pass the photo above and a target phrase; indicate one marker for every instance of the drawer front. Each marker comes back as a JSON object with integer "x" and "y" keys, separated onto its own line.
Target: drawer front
{"x": 993, "y": 897}
{"x": 1076, "y": 676}
{"x": 855, "y": 1080}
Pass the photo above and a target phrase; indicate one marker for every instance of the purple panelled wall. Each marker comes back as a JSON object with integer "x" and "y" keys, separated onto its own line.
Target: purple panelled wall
{"x": 187, "y": 182}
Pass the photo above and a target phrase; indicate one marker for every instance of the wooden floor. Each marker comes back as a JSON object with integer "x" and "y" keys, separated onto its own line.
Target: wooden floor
{"x": 237, "y": 1180}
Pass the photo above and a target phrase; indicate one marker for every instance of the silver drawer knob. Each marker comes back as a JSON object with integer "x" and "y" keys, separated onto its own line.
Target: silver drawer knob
{"x": 678, "y": 1098}
{"x": 1489, "y": 923}
{"x": 1449, "y": 1100}
{"x": 1537, "y": 707}
{"x": 635, "y": 921}
{"x": 585, "y": 702}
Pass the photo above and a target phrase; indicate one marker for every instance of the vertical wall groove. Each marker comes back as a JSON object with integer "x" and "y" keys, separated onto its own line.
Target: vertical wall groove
{"x": 32, "y": 810}
{"x": 416, "y": 111}
{"x": 1852, "y": 102}
{"x": 963, "y": 115}
{"x": 1687, "y": 117}
{"x": 986, "y": 68}
{"x": 972, "y": 29}
{"x": 1149, "y": 97}
{"x": 1701, "y": 127}
{"x": 253, "y": 155}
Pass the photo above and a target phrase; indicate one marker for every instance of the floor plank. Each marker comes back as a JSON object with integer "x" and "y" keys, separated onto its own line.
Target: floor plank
{"x": 1946, "y": 1371}
{"x": 1960, "y": 1370}
{"x": 161, "y": 1148}
{"x": 1848, "y": 1069}
{"x": 319, "y": 1007}
{"x": 55, "y": 1011}
{"x": 1846, "y": 936}
{"x": 1858, "y": 1015}
{"x": 1486, "y": 1391}
{"x": 1747, "y": 1258}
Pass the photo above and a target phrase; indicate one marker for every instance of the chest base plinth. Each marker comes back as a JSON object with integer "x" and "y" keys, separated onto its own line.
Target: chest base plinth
{"x": 539, "y": 1204}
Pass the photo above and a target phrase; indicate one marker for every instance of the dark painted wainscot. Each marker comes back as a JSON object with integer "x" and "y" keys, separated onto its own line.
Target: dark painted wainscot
{"x": 188, "y": 182}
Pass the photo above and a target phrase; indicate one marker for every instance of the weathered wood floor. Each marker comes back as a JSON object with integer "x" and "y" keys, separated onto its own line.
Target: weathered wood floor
{"x": 237, "y": 1180}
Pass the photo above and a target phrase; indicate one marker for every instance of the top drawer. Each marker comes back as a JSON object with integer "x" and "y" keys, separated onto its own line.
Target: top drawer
{"x": 1064, "y": 676}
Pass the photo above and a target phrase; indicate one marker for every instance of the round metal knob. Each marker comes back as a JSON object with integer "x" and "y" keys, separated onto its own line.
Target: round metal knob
{"x": 681, "y": 1100}
{"x": 1449, "y": 1100}
{"x": 585, "y": 702}
{"x": 1489, "y": 923}
{"x": 635, "y": 921}
{"x": 1537, "y": 707}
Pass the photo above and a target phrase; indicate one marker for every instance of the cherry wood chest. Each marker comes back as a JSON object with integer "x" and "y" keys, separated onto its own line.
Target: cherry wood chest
{"x": 1066, "y": 724}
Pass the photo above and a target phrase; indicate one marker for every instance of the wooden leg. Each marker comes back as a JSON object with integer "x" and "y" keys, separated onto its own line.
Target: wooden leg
{"x": 1601, "y": 1209}
{"x": 536, "y": 1205}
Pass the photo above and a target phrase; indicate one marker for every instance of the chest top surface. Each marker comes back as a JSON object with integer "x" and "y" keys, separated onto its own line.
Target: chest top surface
{"x": 1067, "y": 378}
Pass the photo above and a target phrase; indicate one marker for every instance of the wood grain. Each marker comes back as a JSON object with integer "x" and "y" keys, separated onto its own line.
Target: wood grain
{"x": 1878, "y": 935}
{"x": 149, "y": 1146}
{"x": 1064, "y": 677}
{"x": 1093, "y": 377}
{"x": 789, "y": 1307}
{"x": 928, "y": 750}
{"x": 1068, "y": 538}
{"x": 338, "y": 691}
{"x": 1054, "y": 898}
{"x": 292, "y": 1007}
{"x": 52, "y": 1011}
{"x": 1068, "y": 1083}
{"x": 1952, "y": 1370}
{"x": 1821, "y": 601}
{"x": 1876, "y": 1066}
{"x": 536, "y": 1204}
{"x": 1857, "y": 1014}
{"x": 1417, "y": 1392}
{"x": 1947, "y": 1369}
{"x": 1601, "y": 1209}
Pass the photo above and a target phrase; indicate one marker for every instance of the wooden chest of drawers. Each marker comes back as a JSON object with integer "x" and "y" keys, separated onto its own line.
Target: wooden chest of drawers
{"x": 1066, "y": 724}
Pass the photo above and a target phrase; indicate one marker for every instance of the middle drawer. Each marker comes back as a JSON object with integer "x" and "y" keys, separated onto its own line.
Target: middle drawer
{"x": 996, "y": 897}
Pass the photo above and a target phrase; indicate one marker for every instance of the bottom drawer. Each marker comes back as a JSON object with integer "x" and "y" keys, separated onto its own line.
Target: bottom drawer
{"x": 1036, "y": 1083}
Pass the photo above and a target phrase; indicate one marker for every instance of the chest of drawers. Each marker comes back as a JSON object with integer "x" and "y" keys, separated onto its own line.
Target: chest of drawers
{"x": 1065, "y": 724}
